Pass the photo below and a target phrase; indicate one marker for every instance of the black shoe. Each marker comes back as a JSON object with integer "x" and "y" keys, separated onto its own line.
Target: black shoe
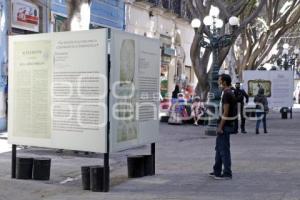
{"x": 211, "y": 174}
{"x": 223, "y": 177}
{"x": 226, "y": 177}
{"x": 243, "y": 131}
{"x": 265, "y": 131}
{"x": 59, "y": 151}
{"x": 257, "y": 132}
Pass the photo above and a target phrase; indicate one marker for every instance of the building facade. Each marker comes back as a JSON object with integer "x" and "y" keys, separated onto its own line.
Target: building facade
{"x": 104, "y": 13}
{"x": 168, "y": 21}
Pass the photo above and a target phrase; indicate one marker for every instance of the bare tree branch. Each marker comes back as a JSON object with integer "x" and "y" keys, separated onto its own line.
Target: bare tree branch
{"x": 237, "y": 7}
{"x": 220, "y": 4}
{"x": 284, "y": 17}
{"x": 254, "y": 14}
{"x": 200, "y": 8}
{"x": 294, "y": 17}
{"x": 208, "y": 5}
{"x": 275, "y": 10}
{"x": 192, "y": 9}
{"x": 269, "y": 11}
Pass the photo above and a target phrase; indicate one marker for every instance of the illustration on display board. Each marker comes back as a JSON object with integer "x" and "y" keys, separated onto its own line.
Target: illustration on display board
{"x": 254, "y": 85}
{"x": 127, "y": 126}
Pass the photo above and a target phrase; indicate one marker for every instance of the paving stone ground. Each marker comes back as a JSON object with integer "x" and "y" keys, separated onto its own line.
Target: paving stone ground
{"x": 265, "y": 167}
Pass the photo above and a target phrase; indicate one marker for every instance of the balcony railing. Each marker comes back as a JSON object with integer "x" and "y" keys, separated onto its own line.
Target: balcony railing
{"x": 178, "y": 7}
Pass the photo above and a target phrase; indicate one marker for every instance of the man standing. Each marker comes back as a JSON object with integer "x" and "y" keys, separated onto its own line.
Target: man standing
{"x": 239, "y": 95}
{"x": 225, "y": 128}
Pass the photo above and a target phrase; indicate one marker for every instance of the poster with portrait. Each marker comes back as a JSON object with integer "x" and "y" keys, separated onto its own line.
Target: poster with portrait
{"x": 134, "y": 81}
{"x": 254, "y": 85}
{"x": 278, "y": 86}
{"x": 127, "y": 127}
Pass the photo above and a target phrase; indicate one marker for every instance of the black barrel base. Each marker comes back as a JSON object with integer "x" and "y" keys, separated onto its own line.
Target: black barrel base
{"x": 85, "y": 177}
{"x": 24, "y": 168}
{"x": 97, "y": 178}
{"x": 148, "y": 165}
{"x": 41, "y": 168}
{"x": 136, "y": 166}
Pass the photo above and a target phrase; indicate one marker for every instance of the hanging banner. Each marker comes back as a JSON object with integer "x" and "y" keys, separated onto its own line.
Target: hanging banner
{"x": 25, "y": 15}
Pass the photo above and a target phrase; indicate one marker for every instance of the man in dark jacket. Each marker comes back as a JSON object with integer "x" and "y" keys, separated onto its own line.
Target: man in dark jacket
{"x": 240, "y": 94}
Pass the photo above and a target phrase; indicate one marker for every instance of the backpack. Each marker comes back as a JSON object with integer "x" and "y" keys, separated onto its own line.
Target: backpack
{"x": 266, "y": 106}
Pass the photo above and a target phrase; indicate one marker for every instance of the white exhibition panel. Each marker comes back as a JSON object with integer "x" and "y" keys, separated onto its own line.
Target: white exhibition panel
{"x": 134, "y": 96}
{"x": 281, "y": 87}
{"x": 58, "y": 90}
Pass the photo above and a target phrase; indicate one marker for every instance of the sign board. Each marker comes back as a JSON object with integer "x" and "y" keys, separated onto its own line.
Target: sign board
{"x": 57, "y": 90}
{"x": 135, "y": 77}
{"x": 25, "y": 15}
{"x": 278, "y": 86}
{"x": 58, "y": 87}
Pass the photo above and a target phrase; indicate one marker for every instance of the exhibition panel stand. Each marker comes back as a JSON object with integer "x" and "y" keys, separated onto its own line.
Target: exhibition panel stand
{"x": 83, "y": 91}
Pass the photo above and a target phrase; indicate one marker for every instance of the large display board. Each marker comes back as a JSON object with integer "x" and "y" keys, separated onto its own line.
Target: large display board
{"x": 58, "y": 87}
{"x": 278, "y": 86}
{"x": 58, "y": 90}
{"x": 135, "y": 73}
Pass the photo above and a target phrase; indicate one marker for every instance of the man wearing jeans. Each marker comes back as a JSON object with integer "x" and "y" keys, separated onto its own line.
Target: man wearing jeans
{"x": 228, "y": 108}
{"x": 239, "y": 95}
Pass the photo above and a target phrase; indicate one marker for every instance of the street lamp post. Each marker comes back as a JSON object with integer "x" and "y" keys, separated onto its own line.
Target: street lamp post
{"x": 294, "y": 61}
{"x": 214, "y": 41}
{"x": 289, "y": 62}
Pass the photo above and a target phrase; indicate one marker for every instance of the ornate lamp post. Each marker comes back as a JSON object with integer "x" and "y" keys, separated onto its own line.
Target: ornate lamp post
{"x": 214, "y": 41}
{"x": 289, "y": 62}
{"x": 294, "y": 61}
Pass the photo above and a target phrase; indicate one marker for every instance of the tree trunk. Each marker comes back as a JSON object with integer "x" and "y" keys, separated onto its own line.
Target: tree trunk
{"x": 74, "y": 7}
{"x": 231, "y": 64}
{"x": 199, "y": 9}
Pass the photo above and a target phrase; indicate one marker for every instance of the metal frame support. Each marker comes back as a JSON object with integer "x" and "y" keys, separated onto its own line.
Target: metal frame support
{"x": 13, "y": 161}
{"x": 153, "y": 155}
{"x": 106, "y": 177}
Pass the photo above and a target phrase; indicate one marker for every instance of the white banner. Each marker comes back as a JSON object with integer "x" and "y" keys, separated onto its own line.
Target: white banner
{"x": 58, "y": 90}
{"x": 135, "y": 73}
{"x": 25, "y": 15}
{"x": 278, "y": 86}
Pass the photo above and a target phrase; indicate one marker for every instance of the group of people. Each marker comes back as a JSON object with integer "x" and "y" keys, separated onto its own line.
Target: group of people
{"x": 232, "y": 106}
{"x": 262, "y": 108}
{"x": 183, "y": 108}
{"x": 194, "y": 108}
